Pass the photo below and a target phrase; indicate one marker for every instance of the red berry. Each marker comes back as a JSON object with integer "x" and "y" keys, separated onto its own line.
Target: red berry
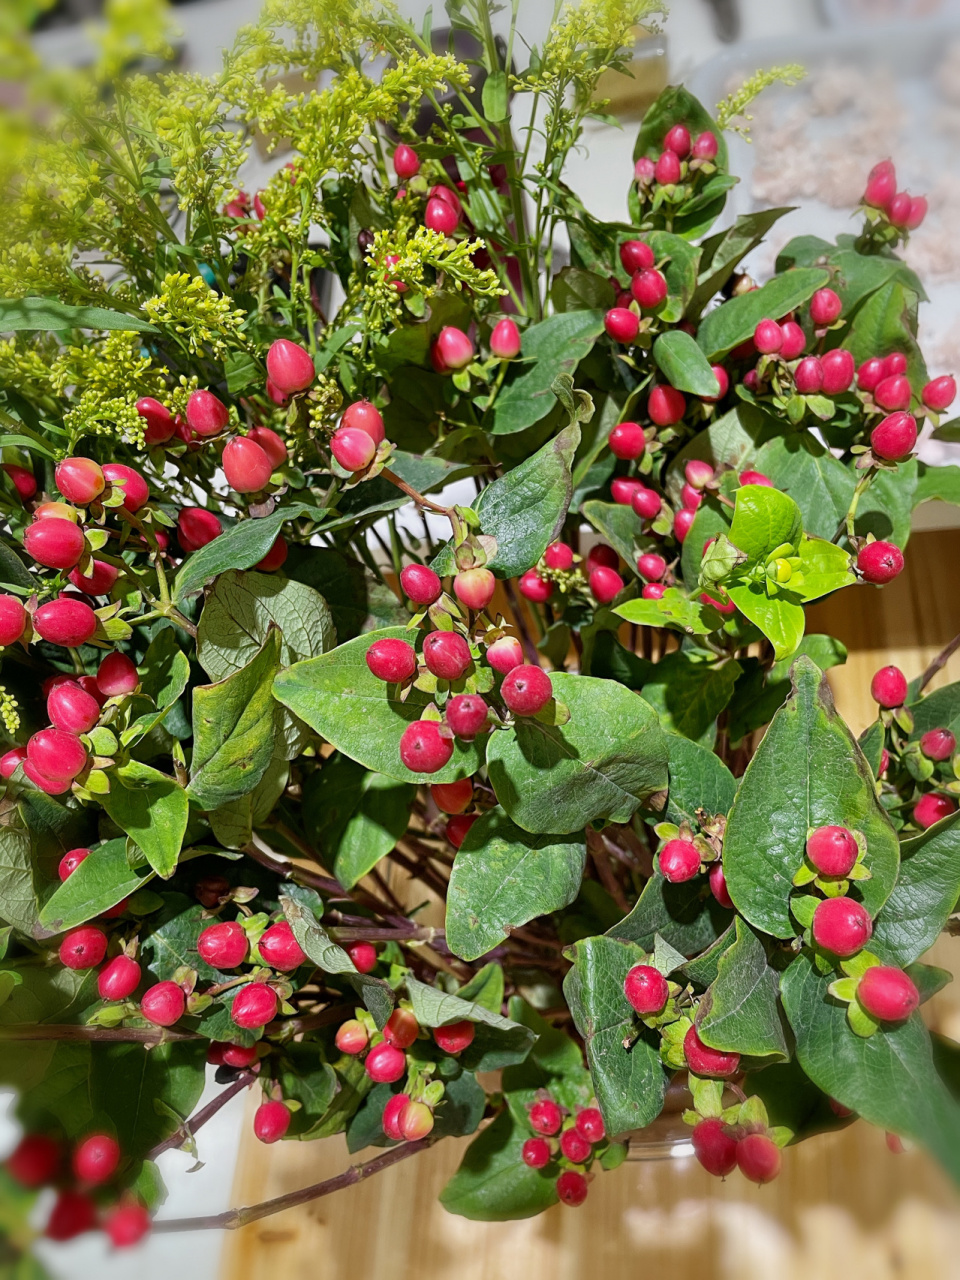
{"x": 893, "y": 392}
{"x": 422, "y": 747}
{"x": 160, "y": 421}
{"x": 246, "y": 465}
{"x": 894, "y": 437}
{"x": 280, "y": 949}
{"x": 605, "y": 584}
{"x": 98, "y": 582}
{"x": 690, "y": 497}
{"x": 557, "y": 556}
{"x": 888, "y": 687}
{"x": 458, "y": 826}
{"x": 271, "y": 1121}
{"x": 714, "y": 1146}
{"x": 825, "y": 307}
{"x": 704, "y": 1061}
{"x": 223, "y": 946}
{"x": 705, "y": 146}
{"x": 363, "y": 955}
{"x": 622, "y": 489}
{"x": 646, "y": 503}
{"x": 758, "y": 1158}
{"x": 898, "y": 210}
{"x": 289, "y": 366}
{"x": 535, "y": 1153}
{"x": 22, "y": 479}
{"x": 206, "y": 414}
{"x": 918, "y": 211}
{"x": 870, "y": 373}
{"x": 651, "y": 566}
{"x": 96, "y": 1159}
{"x": 80, "y": 480}
{"x": 136, "y": 492}
{"x": 466, "y": 714}
{"x": 446, "y": 654}
{"x": 11, "y": 760}
{"x": 454, "y": 347}
{"x": 474, "y": 588}
{"x": 600, "y": 555}
{"x": 56, "y": 754}
{"x": 406, "y": 162}
{"x": 627, "y": 441}
{"x": 838, "y": 370}
{"x": 364, "y": 416}
{"x": 667, "y": 170}
{"x": 163, "y": 1004}
{"x": 698, "y": 473}
{"x": 527, "y": 689}
{"x": 545, "y": 1116}
{"x": 678, "y": 140}
{"x": 723, "y": 379}
{"x": 572, "y": 1186}
{"x": 590, "y": 1124}
{"x": 938, "y": 744}
{"x": 119, "y": 978}
{"x": 666, "y": 405}
{"x": 636, "y": 255}
{"x": 73, "y": 1214}
{"x": 415, "y": 1121}
{"x": 196, "y": 527}
{"x": 52, "y": 786}
{"x": 351, "y": 1037}
{"x": 768, "y": 337}
{"x": 393, "y": 1114}
{"x": 653, "y": 591}
{"x": 682, "y": 521}
{"x": 841, "y": 926}
{"x": 55, "y": 543}
{"x": 421, "y": 584}
{"x": 888, "y": 993}
{"x": 649, "y": 287}
{"x": 794, "y": 340}
{"x": 751, "y": 381}
{"x": 254, "y": 1006}
{"x": 679, "y": 861}
{"x": 646, "y": 990}
{"x": 574, "y": 1146}
{"x": 455, "y": 1037}
{"x": 881, "y": 185}
{"x": 808, "y": 376}
{"x": 353, "y": 449}
{"x": 939, "y": 394}
{"x": 275, "y": 557}
{"x": 756, "y": 477}
{"x": 385, "y": 1064}
{"x": 879, "y": 562}
{"x": 70, "y": 861}
{"x": 72, "y": 709}
{"x": 452, "y": 797}
{"x": 505, "y": 340}
{"x": 13, "y": 620}
{"x": 884, "y": 762}
{"x": 35, "y": 1161}
{"x": 126, "y": 1225}
{"x": 117, "y": 675}
{"x": 720, "y": 605}
{"x": 931, "y": 808}
{"x": 439, "y": 216}
{"x": 832, "y": 850}
{"x": 535, "y": 588}
{"x": 65, "y": 622}
{"x": 392, "y": 660}
{"x": 643, "y": 170}
{"x": 401, "y": 1029}
{"x": 718, "y": 886}
{"x": 894, "y": 363}
{"x": 621, "y": 324}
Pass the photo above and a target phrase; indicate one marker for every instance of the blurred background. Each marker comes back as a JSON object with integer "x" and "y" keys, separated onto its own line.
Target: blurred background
{"x": 883, "y": 79}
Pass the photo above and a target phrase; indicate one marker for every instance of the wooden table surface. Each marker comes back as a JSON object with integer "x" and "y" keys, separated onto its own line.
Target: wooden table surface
{"x": 844, "y": 1208}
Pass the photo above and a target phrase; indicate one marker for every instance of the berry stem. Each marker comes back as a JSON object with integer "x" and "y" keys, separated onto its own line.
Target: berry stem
{"x": 190, "y": 1126}
{"x": 939, "y": 662}
{"x": 66, "y": 1031}
{"x": 848, "y": 520}
{"x": 418, "y": 498}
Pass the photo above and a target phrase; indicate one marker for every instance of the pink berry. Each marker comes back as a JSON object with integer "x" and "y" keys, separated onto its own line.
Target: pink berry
{"x": 70, "y": 861}
{"x": 505, "y": 340}
{"x": 841, "y": 926}
{"x": 452, "y": 797}
{"x": 756, "y": 477}
{"x": 406, "y": 162}
{"x": 679, "y": 861}
{"x": 651, "y": 566}
{"x": 126, "y": 1225}
{"x": 289, "y": 366}
{"x": 72, "y": 709}
{"x": 768, "y": 337}
{"x": 832, "y": 850}
{"x": 98, "y": 582}
{"x": 938, "y": 744}
{"x": 23, "y": 480}
{"x": 96, "y": 1159}
{"x": 838, "y": 370}
{"x": 649, "y": 287}
{"x": 870, "y": 373}
{"x": 55, "y": 543}
{"x": 527, "y": 689}
{"x": 682, "y": 521}
{"x": 117, "y": 675}
{"x": 794, "y": 340}
{"x": 678, "y": 140}
{"x": 940, "y": 393}
{"x": 466, "y": 714}
{"x": 196, "y": 527}
{"x": 808, "y": 376}
{"x": 119, "y": 978}
{"x": 401, "y": 1029}
{"x": 884, "y": 762}
{"x": 385, "y": 1064}
{"x": 160, "y": 421}
{"x": 56, "y": 754}
{"x": 705, "y": 146}
{"x": 690, "y": 497}
{"x": 353, "y": 449}
{"x": 653, "y": 591}
{"x": 698, "y": 473}
{"x": 667, "y": 170}
{"x": 363, "y": 955}
{"x": 918, "y": 211}
{"x": 535, "y": 588}
{"x": 254, "y": 1006}
{"x": 643, "y": 170}
{"x": 666, "y": 405}
{"x": 415, "y": 1121}
{"x": 893, "y": 392}
{"x": 364, "y": 416}
{"x": 455, "y": 1037}
{"x": 439, "y": 216}
{"x": 888, "y": 687}
{"x": 65, "y": 622}
{"x": 574, "y": 1146}
{"x": 931, "y": 808}
{"x": 280, "y": 949}
{"x": 894, "y": 437}
{"x": 572, "y": 1186}
{"x": 34, "y": 1161}
{"x": 600, "y": 554}
{"x": 392, "y": 660}
{"x": 714, "y": 1146}
{"x": 894, "y": 363}
{"x": 888, "y": 994}
{"x": 271, "y": 1121}
{"x": 535, "y": 1153}
{"x": 590, "y": 1124}
{"x": 13, "y": 620}
{"x": 898, "y": 210}
{"x": 622, "y": 489}
{"x": 879, "y": 562}
{"x": 11, "y": 760}
{"x": 723, "y": 378}
{"x": 246, "y": 465}
{"x": 825, "y": 307}
{"x": 80, "y": 480}
{"x": 393, "y": 1115}
{"x": 446, "y": 654}
{"x": 545, "y": 1116}
{"x": 474, "y": 588}
{"x": 421, "y": 584}
{"x": 758, "y": 1158}
{"x": 558, "y": 556}
{"x": 351, "y": 1037}
{"x": 751, "y": 380}
{"x": 881, "y": 185}
{"x": 622, "y": 324}
{"x": 605, "y": 584}
{"x": 646, "y": 502}
{"x": 718, "y": 886}
{"x": 271, "y": 444}
{"x": 704, "y": 1061}
{"x": 636, "y": 255}
{"x": 422, "y": 747}
{"x": 646, "y": 990}
{"x": 73, "y": 1214}
{"x": 83, "y": 947}
{"x": 223, "y": 946}
{"x": 454, "y": 347}
{"x": 136, "y": 492}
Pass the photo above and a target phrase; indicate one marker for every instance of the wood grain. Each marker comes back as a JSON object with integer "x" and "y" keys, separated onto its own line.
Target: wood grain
{"x": 843, "y": 1209}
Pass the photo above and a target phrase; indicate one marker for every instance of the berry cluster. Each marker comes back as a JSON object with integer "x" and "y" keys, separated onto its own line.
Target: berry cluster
{"x": 565, "y": 1145}
{"x": 892, "y": 214}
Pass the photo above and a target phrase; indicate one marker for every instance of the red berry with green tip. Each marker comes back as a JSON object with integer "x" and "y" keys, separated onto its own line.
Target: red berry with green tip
{"x": 627, "y": 441}
{"x": 718, "y": 886}
{"x": 351, "y": 1037}
{"x": 446, "y": 654}
{"x": 636, "y": 255}
{"x": 574, "y": 1146}
{"x": 714, "y": 1146}
{"x": 535, "y": 1153}
{"x": 364, "y": 416}
{"x": 649, "y": 287}
{"x": 73, "y": 1214}
{"x": 888, "y": 994}
{"x": 289, "y": 366}
{"x": 679, "y": 860}
{"x": 126, "y": 1225}
{"x": 458, "y": 826}
{"x": 385, "y": 1064}
{"x": 393, "y": 1114}
{"x": 452, "y": 797}
{"x": 527, "y": 689}
{"x": 13, "y": 620}
{"x": 646, "y": 990}
{"x": 96, "y": 1159}
{"x": 34, "y": 1161}
{"x": 280, "y": 949}
{"x": 423, "y": 749}
{"x": 646, "y": 503}
{"x": 455, "y": 1037}
{"x": 421, "y": 584}
{"x": 758, "y": 1158}
{"x": 271, "y": 1121}
{"x": 838, "y": 370}
{"x": 254, "y": 1006}
{"x": 466, "y": 714}
{"x": 72, "y": 709}
{"x": 80, "y": 480}
{"x": 545, "y": 1116}
{"x": 705, "y": 1061}
{"x": 392, "y": 660}
{"x": 505, "y": 340}
{"x": 415, "y": 1121}
{"x": 939, "y": 394}
{"x": 474, "y": 588}
{"x": 136, "y": 493}
{"x": 888, "y": 687}
{"x": 57, "y": 755}
{"x": 572, "y": 1186}
{"x": 363, "y": 955}
{"x": 605, "y": 584}
{"x": 833, "y": 850}
{"x": 224, "y": 945}
{"x": 938, "y": 744}
{"x": 894, "y": 437}
{"x": 931, "y": 808}
{"x": 118, "y": 979}
{"x": 55, "y": 543}
{"x": 841, "y": 926}
{"x": 825, "y": 307}
{"x": 879, "y": 562}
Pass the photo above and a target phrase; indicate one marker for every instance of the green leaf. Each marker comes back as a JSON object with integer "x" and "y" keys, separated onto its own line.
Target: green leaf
{"x": 305, "y": 1078}
{"x": 165, "y": 669}
{"x": 617, "y": 524}
{"x": 759, "y": 693}
{"x": 152, "y": 809}
{"x": 12, "y": 568}
{"x": 721, "y": 254}
{"x": 339, "y": 697}
{"x": 630, "y": 1083}
{"x": 433, "y": 1008}
{"x": 673, "y": 609}
{"x": 502, "y": 877}
{"x": 494, "y": 96}
{"x": 604, "y": 763}
{"x": 698, "y": 780}
{"x": 688, "y": 689}
{"x": 242, "y": 372}
{"x": 703, "y": 969}
{"x": 925, "y": 894}
{"x": 233, "y": 823}
{"x": 763, "y": 520}
{"x": 818, "y": 482}
{"x": 19, "y": 881}
{"x": 887, "y": 322}
{"x": 234, "y": 729}
{"x": 684, "y": 365}
{"x": 373, "y": 829}
{"x": 240, "y": 547}
{"x": 780, "y": 619}
{"x": 686, "y": 915}
{"x": 680, "y": 263}
{"x": 826, "y": 567}
{"x": 98, "y": 883}
{"x": 807, "y": 772}
{"x": 127, "y": 1082}
{"x": 550, "y": 347}
{"x": 740, "y": 1012}
{"x": 889, "y": 1079}
{"x": 574, "y": 289}
{"x": 492, "y": 1183}
{"x": 486, "y": 987}
{"x": 734, "y": 321}
{"x": 47, "y": 313}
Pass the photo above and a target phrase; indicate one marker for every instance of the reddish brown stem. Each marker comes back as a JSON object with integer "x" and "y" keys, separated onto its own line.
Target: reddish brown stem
{"x": 939, "y": 662}
{"x": 190, "y": 1127}
{"x": 63, "y": 1031}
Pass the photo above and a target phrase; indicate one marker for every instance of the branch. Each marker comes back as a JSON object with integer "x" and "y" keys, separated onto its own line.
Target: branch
{"x": 64, "y": 1031}
{"x": 190, "y": 1127}
{"x": 418, "y": 498}
{"x": 234, "y": 1218}
{"x": 939, "y": 662}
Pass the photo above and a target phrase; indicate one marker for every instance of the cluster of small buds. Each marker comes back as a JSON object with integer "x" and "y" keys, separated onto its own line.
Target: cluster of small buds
{"x": 563, "y": 1140}
{"x": 896, "y": 210}
{"x": 682, "y": 157}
